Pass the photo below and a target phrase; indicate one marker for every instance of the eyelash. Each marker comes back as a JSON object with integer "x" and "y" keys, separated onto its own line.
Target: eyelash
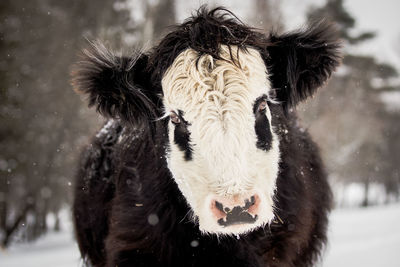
{"x": 263, "y": 104}
{"x": 258, "y": 103}
{"x": 175, "y": 119}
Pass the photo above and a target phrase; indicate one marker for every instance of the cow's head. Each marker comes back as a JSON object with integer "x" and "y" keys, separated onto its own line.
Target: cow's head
{"x": 214, "y": 80}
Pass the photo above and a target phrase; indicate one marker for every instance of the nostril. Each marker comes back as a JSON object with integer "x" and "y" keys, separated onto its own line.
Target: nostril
{"x": 249, "y": 203}
{"x": 219, "y": 206}
{"x": 218, "y": 209}
{"x": 254, "y": 203}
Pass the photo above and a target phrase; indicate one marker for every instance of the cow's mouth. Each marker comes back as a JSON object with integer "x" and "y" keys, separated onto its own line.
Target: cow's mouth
{"x": 238, "y": 214}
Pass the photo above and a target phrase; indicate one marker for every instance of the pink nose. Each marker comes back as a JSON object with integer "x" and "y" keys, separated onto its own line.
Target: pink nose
{"x": 237, "y": 210}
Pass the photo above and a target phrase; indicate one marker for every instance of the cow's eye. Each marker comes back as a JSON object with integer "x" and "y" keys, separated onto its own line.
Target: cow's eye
{"x": 262, "y": 106}
{"x": 175, "y": 118}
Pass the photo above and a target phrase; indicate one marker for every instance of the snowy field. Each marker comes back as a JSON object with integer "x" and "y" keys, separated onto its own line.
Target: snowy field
{"x": 364, "y": 237}
{"x": 367, "y": 237}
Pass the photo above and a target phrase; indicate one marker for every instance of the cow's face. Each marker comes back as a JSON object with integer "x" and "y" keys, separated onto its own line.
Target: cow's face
{"x": 223, "y": 152}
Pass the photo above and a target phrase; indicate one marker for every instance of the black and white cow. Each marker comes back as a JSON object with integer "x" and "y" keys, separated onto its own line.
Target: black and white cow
{"x": 202, "y": 162}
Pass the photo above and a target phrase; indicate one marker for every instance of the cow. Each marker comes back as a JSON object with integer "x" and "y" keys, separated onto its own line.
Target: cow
{"x": 202, "y": 161}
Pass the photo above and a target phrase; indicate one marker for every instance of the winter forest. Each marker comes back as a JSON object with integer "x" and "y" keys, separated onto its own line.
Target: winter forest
{"x": 44, "y": 124}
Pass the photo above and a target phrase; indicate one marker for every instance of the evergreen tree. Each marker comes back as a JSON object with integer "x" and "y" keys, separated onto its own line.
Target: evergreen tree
{"x": 348, "y": 117}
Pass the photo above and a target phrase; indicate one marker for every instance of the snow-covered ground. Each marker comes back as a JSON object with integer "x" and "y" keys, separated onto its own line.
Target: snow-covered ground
{"x": 364, "y": 237}
{"x": 56, "y": 249}
{"x": 52, "y": 250}
{"x": 367, "y": 237}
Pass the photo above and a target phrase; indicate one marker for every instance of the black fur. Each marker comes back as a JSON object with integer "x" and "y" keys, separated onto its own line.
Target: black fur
{"x": 301, "y": 61}
{"x": 262, "y": 126}
{"x": 182, "y": 137}
{"x": 124, "y": 179}
{"x": 117, "y": 86}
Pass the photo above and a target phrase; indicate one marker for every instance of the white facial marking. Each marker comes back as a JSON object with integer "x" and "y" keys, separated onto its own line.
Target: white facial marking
{"x": 217, "y": 98}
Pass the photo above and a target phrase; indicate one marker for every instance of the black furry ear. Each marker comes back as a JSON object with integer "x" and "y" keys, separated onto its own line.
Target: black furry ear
{"x": 118, "y": 86}
{"x": 300, "y": 62}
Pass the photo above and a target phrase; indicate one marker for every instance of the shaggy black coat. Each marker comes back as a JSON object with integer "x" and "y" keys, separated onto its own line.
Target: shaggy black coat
{"x": 128, "y": 211}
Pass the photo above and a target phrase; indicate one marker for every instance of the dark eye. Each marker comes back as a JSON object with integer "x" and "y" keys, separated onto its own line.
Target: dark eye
{"x": 262, "y": 106}
{"x": 174, "y": 118}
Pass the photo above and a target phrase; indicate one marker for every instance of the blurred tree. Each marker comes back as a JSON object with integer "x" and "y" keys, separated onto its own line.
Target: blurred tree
{"x": 348, "y": 117}
{"x": 334, "y": 11}
{"x": 390, "y": 150}
{"x": 266, "y": 15}
{"x": 148, "y": 20}
{"x": 43, "y": 123}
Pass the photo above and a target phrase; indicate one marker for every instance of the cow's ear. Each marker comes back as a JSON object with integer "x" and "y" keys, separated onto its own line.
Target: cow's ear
{"x": 118, "y": 86}
{"x": 300, "y": 62}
